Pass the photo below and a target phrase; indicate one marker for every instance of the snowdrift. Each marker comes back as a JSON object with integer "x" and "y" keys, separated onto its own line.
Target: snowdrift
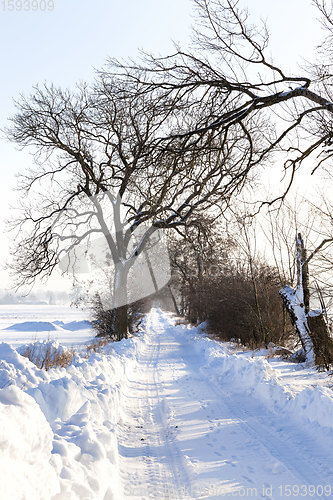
{"x": 57, "y": 435}
{"x": 25, "y": 444}
{"x": 48, "y": 326}
{"x": 33, "y": 326}
{"x": 258, "y": 378}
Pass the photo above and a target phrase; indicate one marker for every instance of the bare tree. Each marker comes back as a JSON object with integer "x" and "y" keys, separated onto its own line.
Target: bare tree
{"x": 169, "y": 137}
{"x": 197, "y": 254}
{"x": 311, "y": 325}
{"x": 98, "y": 158}
{"x": 304, "y": 273}
{"x": 226, "y": 86}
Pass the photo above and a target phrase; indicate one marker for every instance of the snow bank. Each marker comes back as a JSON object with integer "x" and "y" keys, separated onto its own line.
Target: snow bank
{"x": 18, "y": 370}
{"x": 57, "y": 428}
{"x": 25, "y": 445}
{"x": 256, "y": 377}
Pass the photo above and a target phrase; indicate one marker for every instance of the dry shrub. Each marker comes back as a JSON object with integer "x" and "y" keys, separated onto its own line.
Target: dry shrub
{"x": 47, "y": 356}
{"x": 232, "y": 310}
{"x": 96, "y": 346}
{"x": 278, "y": 351}
{"x": 50, "y": 357}
{"x": 181, "y": 322}
{"x": 103, "y": 319}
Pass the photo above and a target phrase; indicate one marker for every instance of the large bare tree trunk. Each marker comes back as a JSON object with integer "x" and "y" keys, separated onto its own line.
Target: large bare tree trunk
{"x": 119, "y": 303}
{"x": 322, "y": 340}
{"x": 310, "y": 325}
{"x": 297, "y": 301}
{"x": 120, "y": 322}
{"x": 296, "y": 309}
{"x": 173, "y": 298}
{"x": 303, "y": 272}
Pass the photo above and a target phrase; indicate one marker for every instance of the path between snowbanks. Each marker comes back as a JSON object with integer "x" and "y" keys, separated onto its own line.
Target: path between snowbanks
{"x": 169, "y": 415}
{"x": 201, "y": 423}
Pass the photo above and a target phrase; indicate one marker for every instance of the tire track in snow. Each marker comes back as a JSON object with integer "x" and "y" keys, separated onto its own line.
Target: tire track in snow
{"x": 188, "y": 436}
{"x": 293, "y": 452}
{"x": 151, "y": 465}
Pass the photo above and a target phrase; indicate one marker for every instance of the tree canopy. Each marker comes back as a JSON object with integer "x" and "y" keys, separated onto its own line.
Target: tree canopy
{"x": 164, "y": 139}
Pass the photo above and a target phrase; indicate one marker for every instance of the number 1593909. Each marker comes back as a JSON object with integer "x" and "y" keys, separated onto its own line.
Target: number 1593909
{"x": 27, "y": 5}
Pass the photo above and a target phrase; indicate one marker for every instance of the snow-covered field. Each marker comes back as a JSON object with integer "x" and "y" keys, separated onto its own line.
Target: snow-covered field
{"x": 170, "y": 414}
{"x": 20, "y": 324}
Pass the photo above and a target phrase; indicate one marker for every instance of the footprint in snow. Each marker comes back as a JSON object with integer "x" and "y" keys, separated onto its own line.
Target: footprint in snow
{"x": 229, "y": 462}
{"x": 248, "y": 479}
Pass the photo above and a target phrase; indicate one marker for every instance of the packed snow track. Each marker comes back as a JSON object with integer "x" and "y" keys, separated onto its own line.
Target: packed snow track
{"x": 187, "y": 435}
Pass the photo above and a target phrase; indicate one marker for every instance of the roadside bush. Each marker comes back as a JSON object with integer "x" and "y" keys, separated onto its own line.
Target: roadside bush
{"x": 240, "y": 306}
{"x": 103, "y": 319}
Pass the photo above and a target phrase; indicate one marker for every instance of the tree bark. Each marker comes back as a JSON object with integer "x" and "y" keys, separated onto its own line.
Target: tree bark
{"x": 322, "y": 340}
{"x": 297, "y": 301}
{"x": 120, "y": 322}
{"x": 174, "y": 301}
{"x": 296, "y": 309}
{"x": 303, "y": 272}
{"x": 119, "y": 303}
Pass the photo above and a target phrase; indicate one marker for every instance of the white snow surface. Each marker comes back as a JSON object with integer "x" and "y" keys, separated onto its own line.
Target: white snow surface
{"x": 169, "y": 414}
{"x": 23, "y": 323}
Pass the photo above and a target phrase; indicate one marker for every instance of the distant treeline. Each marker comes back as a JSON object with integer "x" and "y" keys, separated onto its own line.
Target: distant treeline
{"x": 46, "y": 297}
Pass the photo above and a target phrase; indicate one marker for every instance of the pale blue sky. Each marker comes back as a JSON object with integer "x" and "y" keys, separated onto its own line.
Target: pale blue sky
{"x": 63, "y": 46}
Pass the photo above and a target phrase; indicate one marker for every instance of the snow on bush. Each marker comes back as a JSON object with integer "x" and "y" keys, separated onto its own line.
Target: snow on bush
{"x": 47, "y": 354}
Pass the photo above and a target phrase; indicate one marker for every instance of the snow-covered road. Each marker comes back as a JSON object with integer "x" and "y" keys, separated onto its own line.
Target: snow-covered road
{"x": 183, "y": 435}
{"x": 168, "y": 414}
